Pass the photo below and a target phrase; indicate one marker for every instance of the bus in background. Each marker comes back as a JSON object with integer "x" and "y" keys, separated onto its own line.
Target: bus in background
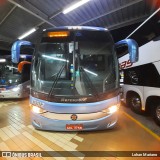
{"x": 15, "y": 78}
{"x": 141, "y": 89}
{"x": 75, "y": 79}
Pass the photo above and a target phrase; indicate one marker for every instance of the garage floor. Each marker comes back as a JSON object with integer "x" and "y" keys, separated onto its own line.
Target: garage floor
{"x": 17, "y": 134}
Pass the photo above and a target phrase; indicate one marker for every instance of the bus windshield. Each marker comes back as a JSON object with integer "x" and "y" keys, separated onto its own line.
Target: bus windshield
{"x": 83, "y": 63}
{"x": 9, "y": 74}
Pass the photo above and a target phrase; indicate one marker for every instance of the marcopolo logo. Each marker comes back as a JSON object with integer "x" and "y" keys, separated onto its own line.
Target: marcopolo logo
{"x": 74, "y": 117}
{"x": 73, "y": 100}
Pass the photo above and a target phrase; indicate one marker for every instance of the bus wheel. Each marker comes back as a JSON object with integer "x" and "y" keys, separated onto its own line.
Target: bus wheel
{"x": 156, "y": 114}
{"x": 134, "y": 102}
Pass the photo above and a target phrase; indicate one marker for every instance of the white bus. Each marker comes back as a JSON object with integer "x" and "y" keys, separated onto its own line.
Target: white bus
{"x": 141, "y": 89}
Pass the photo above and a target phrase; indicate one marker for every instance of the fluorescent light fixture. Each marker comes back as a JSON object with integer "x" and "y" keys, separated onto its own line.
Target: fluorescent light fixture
{"x": 27, "y": 33}
{"x": 91, "y": 72}
{"x": 2, "y": 60}
{"x": 55, "y": 58}
{"x": 74, "y": 6}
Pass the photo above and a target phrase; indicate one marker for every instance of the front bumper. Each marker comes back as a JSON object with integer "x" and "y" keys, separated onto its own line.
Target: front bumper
{"x": 92, "y": 116}
{"x": 12, "y": 94}
{"x": 43, "y": 123}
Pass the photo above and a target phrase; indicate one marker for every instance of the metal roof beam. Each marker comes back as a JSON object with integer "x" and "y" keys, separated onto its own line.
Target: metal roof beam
{"x": 7, "y": 48}
{"x": 127, "y": 22}
{"x": 6, "y": 39}
{"x": 144, "y": 22}
{"x": 23, "y": 4}
{"x": 5, "y": 42}
{"x": 12, "y": 9}
{"x": 112, "y": 11}
{"x": 55, "y": 14}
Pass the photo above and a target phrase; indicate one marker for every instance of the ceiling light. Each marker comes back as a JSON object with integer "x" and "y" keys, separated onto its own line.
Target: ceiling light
{"x": 27, "y": 33}
{"x": 76, "y": 5}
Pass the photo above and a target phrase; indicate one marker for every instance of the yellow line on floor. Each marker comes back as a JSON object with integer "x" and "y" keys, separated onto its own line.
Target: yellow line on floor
{"x": 141, "y": 125}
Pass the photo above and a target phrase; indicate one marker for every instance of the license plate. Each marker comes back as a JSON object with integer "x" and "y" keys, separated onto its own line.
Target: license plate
{"x": 74, "y": 126}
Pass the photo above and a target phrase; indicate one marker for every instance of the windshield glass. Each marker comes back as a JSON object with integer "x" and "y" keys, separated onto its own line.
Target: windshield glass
{"x": 81, "y": 64}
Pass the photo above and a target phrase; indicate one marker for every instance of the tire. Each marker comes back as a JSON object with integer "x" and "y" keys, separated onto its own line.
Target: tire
{"x": 156, "y": 114}
{"x": 134, "y": 102}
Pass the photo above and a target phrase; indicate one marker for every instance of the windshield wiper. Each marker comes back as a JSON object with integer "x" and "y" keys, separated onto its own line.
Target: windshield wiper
{"x": 55, "y": 81}
{"x": 89, "y": 82}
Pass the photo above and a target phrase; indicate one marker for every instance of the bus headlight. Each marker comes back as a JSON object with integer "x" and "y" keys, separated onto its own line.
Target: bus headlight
{"x": 36, "y": 109}
{"x": 16, "y": 89}
{"x": 111, "y": 110}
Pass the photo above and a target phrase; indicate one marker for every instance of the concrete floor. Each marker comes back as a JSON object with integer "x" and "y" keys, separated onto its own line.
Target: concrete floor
{"x": 132, "y": 133}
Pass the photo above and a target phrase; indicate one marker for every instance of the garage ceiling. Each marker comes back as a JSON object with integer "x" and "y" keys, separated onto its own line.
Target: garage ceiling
{"x": 19, "y": 16}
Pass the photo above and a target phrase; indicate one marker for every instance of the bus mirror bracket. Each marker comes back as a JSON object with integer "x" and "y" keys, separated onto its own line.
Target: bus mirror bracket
{"x": 15, "y": 50}
{"x": 132, "y": 49}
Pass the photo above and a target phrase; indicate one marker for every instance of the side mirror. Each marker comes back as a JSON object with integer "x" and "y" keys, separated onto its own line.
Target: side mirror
{"x": 15, "y": 50}
{"x": 22, "y": 64}
{"x": 132, "y": 48}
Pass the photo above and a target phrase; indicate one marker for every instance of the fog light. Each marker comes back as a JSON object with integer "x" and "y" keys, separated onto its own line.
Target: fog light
{"x": 38, "y": 124}
{"x": 36, "y": 109}
{"x": 111, "y": 109}
{"x": 16, "y": 89}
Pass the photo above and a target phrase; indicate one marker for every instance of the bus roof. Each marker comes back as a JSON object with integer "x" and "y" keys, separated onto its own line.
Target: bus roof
{"x": 89, "y": 28}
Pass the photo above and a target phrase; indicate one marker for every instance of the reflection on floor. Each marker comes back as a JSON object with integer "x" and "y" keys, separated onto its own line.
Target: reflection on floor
{"x": 17, "y": 134}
